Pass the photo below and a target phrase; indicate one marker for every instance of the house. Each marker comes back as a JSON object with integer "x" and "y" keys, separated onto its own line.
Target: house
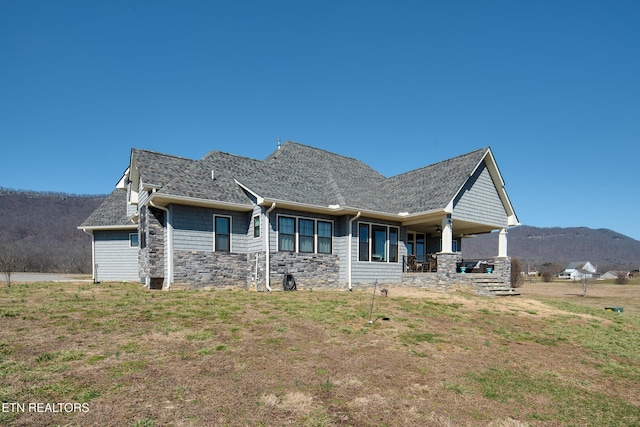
{"x": 578, "y": 270}
{"x": 614, "y": 275}
{"x": 330, "y": 221}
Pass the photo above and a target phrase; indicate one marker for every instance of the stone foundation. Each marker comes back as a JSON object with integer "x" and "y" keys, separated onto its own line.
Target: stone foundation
{"x": 221, "y": 270}
{"x": 447, "y": 279}
{"x": 212, "y": 270}
{"x": 310, "y": 271}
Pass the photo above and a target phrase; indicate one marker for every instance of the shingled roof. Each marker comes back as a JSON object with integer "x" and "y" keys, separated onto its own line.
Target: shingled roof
{"x": 157, "y": 169}
{"x": 295, "y": 174}
{"x": 111, "y": 213}
{"x": 431, "y": 187}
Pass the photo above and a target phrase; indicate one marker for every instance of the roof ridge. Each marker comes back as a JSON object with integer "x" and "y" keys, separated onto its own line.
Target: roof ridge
{"x": 212, "y": 152}
{"x": 484, "y": 149}
{"x": 162, "y": 154}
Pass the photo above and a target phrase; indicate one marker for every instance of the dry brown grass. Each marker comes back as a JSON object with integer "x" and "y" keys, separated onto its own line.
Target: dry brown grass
{"x": 309, "y": 358}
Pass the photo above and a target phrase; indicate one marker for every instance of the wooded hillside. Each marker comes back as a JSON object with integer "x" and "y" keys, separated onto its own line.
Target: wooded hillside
{"x": 40, "y": 230}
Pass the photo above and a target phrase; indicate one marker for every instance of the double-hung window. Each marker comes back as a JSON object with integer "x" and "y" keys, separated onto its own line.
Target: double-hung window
{"x": 304, "y": 235}
{"x": 378, "y": 243}
{"x": 324, "y": 237}
{"x": 256, "y": 226}
{"x": 133, "y": 240}
{"x": 222, "y": 232}
{"x": 286, "y": 234}
{"x": 363, "y": 242}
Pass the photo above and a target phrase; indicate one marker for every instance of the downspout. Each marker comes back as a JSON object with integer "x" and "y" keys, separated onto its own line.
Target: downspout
{"x": 169, "y": 243}
{"x": 349, "y": 249}
{"x": 93, "y": 255}
{"x": 266, "y": 247}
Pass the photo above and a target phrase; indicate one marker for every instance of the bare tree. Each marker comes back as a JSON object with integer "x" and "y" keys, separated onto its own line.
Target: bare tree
{"x": 8, "y": 261}
{"x": 586, "y": 281}
{"x": 516, "y": 272}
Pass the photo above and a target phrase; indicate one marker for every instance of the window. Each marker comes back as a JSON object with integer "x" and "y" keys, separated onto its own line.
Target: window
{"x": 305, "y": 238}
{"x": 363, "y": 242}
{"x": 324, "y": 237}
{"x": 133, "y": 240}
{"x": 378, "y": 243}
{"x": 222, "y": 232}
{"x": 286, "y": 234}
{"x": 304, "y": 235}
{"x": 393, "y": 244}
{"x": 256, "y": 226}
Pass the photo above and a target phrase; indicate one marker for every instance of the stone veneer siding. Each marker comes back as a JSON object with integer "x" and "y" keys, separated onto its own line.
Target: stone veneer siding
{"x": 446, "y": 278}
{"x": 217, "y": 270}
{"x": 213, "y": 270}
{"x": 310, "y": 271}
{"x": 151, "y": 257}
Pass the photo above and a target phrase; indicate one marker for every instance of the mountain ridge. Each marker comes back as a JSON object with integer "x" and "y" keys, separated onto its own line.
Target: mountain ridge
{"x": 560, "y": 245}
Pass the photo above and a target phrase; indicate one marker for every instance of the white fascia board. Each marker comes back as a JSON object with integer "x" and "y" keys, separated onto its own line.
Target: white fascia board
{"x": 122, "y": 184}
{"x": 420, "y": 217}
{"x": 164, "y": 200}
{"x": 401, "y": 217}
{"x": 496, "y": 176}
{"x": 108, "y": 227}
{"x": 259, "y": 199}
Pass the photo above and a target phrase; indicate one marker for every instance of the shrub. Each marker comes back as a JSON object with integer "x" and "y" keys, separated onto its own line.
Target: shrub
{"x": 516, "y": 272}
{"x": 547, "y": 276}
{"x": 621, "y": 278}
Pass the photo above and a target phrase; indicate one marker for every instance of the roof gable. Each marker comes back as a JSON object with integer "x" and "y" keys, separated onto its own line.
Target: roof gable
{"x": 434, "y": 186}
{"x": 112, "y": 212}
{"x": 212, "y": 178}
{"x": 155, "y": 170}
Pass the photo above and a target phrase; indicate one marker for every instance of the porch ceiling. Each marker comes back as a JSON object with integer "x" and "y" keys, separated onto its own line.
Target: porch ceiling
{"x": 460, "y": 228}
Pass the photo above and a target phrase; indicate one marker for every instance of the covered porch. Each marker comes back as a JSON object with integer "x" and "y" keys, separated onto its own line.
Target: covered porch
{"x": 434, "y": 256}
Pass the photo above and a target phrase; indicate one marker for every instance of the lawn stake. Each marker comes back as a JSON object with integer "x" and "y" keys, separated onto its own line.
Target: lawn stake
{"x": 372, "y": 299}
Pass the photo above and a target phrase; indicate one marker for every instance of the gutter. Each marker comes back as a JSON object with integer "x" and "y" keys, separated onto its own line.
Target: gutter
{"x": 266, "y": 247}
{"x": 349, "y": 249}
{"x": 169, "y": 242}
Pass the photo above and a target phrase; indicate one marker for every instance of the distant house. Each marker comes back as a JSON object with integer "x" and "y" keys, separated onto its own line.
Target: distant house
{"x": 613, "y": 274}
{"x": 331, "y": 221}
{"x": 578, "y": 271}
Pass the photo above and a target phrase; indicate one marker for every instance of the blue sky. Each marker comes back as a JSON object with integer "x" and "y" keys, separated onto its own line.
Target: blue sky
{"x": 552, "y": 86}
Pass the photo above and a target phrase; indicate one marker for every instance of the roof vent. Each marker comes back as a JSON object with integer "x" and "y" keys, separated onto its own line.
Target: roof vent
{"x": 213, "y": 175}
{"x": 279, "y": 143}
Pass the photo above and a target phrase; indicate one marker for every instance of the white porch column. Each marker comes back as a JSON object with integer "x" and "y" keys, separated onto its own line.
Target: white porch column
{"x": 502, "y": 243}
{"x": 447, "y": 235}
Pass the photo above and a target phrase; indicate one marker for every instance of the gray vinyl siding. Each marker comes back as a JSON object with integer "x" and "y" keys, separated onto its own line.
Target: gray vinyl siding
{"x": 367, "y": 272}
{"x": 193, "y": 228}
{"x": 256, "y": 244}
{"x": 115, "y": 259}
{"x": 479, "y": 202}
{"x": 142, "y": 197}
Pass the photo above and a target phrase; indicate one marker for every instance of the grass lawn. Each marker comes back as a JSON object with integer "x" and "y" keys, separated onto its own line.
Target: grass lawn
{"x": 78, "y": 354}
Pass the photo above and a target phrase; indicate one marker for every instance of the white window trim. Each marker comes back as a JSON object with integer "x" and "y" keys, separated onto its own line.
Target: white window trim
{"x": 134, "y": 234}
{"x": 296, "y": 233}
{"x": 253, "y": 226}
{"x": 370, "y": 243}
{"x": 230, "y": 231}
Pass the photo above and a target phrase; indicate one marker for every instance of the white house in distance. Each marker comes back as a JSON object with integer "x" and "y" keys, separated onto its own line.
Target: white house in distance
{"x": 578, "y": 270}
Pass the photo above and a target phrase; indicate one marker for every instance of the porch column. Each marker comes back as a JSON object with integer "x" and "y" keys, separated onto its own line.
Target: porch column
{"x": 447, "y": 235}
{"x": 502, "y": 243}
